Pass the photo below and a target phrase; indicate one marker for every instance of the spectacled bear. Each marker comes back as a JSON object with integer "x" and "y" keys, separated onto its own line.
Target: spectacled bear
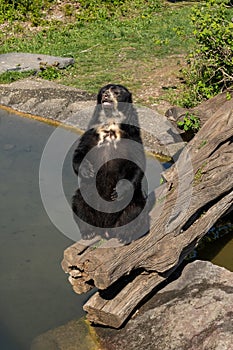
{"x": 110, "y": 163}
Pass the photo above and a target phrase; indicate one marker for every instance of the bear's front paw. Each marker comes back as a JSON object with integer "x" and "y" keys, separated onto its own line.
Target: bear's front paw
{"x": 123, "y": 190}
{"x": 87, "y": 169}
{"x": 114, "y": 195}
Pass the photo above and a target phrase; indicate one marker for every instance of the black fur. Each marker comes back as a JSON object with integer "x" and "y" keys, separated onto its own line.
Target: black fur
{"x": 108, "y": 141}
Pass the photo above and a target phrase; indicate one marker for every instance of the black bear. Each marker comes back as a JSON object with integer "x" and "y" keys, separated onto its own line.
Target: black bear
{"x": 110, "y": 162}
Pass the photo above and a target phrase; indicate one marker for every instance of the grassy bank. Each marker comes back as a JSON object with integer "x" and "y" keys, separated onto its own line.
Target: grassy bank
{"x": 121, "y": 48}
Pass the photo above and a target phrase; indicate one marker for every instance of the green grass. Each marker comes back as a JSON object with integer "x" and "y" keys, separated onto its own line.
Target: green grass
{"x": 9, "y": 77}
{"x": 108, "y": 50}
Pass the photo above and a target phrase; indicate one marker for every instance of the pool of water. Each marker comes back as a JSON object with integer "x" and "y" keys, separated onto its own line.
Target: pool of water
{"x": 34, "y": 293}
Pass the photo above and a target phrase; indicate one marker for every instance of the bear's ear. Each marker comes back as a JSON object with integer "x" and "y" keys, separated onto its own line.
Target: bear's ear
{"x": 99, "y": 96}
{"x": 130, "y": 100}
{"x": 126, "y": 94}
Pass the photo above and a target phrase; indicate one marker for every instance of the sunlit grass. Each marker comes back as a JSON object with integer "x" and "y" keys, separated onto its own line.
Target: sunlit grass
{"x": 109, "y": 50}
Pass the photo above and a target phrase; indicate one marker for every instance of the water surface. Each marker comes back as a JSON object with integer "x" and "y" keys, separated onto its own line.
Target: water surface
{"x": 34, "y": 293}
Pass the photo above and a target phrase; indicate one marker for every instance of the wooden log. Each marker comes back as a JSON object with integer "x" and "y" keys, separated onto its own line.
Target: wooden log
{"x": 113, "y": 312}
{"x": 198, "y": 192}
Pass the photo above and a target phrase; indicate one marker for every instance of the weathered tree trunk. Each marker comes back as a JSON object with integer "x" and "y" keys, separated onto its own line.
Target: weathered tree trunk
{"x": 198, "y": 191}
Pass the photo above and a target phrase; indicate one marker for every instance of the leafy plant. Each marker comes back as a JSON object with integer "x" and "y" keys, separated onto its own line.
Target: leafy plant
{"x": 210, "y": 66}
{"x": 228, "y": 96}
{"x": 49, "y": 72}
{"x": 22, "y": 10}
{"x": 189, "y": 123}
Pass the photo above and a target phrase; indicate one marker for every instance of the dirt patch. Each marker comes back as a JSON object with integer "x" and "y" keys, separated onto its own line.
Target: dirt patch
{"x": 160, "y": 82}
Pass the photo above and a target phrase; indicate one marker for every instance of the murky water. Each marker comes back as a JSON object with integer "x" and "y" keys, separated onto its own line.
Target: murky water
{"x": 217, "y": 246}
{"x": 34, "y": 293}
{"x": 225, "y": 255}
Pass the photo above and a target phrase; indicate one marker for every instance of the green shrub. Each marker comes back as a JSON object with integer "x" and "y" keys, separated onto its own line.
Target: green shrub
{"x": 97, "y": 9}
{"x": 23, "y": 10}
{"x": 189, "y": 123}
{"x": 210, "y": 66}
{"x": 49, "y": 72}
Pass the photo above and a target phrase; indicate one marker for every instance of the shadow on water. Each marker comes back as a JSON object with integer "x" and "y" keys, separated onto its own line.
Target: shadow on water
{"x": 217, "y": 245}
{"x": 7, "y": 341}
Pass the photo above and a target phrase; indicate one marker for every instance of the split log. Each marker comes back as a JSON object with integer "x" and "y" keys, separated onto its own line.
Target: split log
{"x": 199, "y": 190}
